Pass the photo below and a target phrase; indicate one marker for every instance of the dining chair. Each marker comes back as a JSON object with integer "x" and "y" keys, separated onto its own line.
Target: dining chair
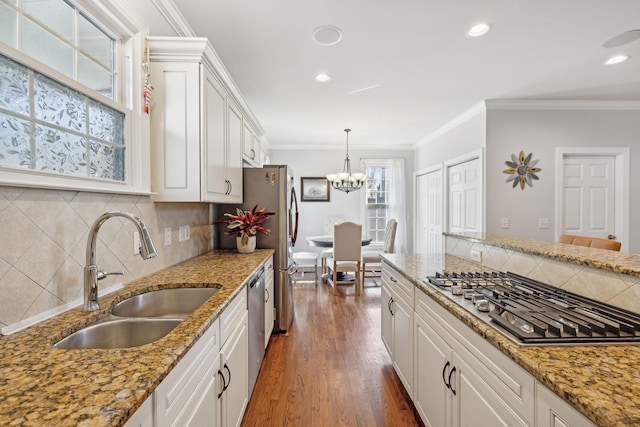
{"x": 347, "y": 247}
{"x": 371, "y": 259}
{"x": 329, "y": 223}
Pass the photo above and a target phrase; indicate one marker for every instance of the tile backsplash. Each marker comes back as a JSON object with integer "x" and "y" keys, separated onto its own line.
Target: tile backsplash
{"x": 617, "y": 289}
{"x": 43, "y": 242}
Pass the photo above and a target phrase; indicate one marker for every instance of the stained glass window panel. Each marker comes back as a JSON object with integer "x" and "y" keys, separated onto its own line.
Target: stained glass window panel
{"x": 61, "y": 152}
{"x": 106, "y": 124}
{"x": 14, "y": 86}
{"x": 58, "y": 105}
{"x": 107, "y": 161}
{"x": 15, "y": 142}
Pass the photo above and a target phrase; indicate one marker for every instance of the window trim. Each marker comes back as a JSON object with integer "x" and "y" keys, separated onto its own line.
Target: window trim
{"x": 120, "y": 20}
{"x": 364, "y": 164}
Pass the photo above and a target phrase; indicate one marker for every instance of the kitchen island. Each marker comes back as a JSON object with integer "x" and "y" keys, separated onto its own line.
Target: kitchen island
{"x": 600, "y": 381}
{"x": 44, "y": 386}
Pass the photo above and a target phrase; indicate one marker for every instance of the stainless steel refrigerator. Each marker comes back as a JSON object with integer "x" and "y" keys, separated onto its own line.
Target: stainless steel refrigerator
{"x": 272, "y": 187}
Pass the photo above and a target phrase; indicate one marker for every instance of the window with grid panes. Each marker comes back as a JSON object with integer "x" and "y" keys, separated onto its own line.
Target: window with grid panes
{"x": 64, "y": 117}
{"x": 377, "y": 200}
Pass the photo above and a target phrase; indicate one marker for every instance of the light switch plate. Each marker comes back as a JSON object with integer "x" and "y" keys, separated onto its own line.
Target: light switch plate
{"x": 543, "y": 222}
{"x": 167, "y": 236}
{"x": 504, "y": 223}
{"x": 476, "y": 256}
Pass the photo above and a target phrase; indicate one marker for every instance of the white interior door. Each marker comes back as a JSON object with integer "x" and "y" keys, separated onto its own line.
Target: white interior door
{"x": 589, "y": 196}
{"x": 465, "y": 196}
{"x": 429, "y": 204}
{"x": 422, "y": 213}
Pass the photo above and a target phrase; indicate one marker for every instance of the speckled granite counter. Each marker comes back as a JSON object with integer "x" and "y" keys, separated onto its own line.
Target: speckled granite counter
{"x": 44, "y": 386}
{"x": 617, "y": 262}
{"x": 602, "y": 382}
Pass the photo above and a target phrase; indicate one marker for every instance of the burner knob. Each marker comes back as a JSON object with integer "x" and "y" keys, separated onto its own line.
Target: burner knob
{"x": 477, "y": 297}
{"x": 483, "y": 305}
{"x": 469, "y": 293}
{"x": 456, "y": 290}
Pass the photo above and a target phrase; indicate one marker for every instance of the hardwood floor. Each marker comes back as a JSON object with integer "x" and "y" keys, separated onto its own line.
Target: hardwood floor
{"x": 331, "y": 368}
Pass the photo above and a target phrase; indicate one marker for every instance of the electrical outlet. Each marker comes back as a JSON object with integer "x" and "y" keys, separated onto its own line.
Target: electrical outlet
{"x": 167, "y": 236}
{"x": 136, "y": 243}
{"x": 504, "y": 223}
{"x": 187, "y": 232}
{"x": 543, "y": 222}
{"x": 181, "y": 233}
{"x": 476, "y": 256}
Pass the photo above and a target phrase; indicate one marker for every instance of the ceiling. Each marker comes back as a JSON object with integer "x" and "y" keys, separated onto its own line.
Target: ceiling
{"x": 425, "y": 70}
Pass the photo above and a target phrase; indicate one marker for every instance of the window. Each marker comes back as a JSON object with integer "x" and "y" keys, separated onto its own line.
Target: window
{"x": 384, "y": 200}
{"x": 377, "y": 200}
{"x": 69, "y": 117}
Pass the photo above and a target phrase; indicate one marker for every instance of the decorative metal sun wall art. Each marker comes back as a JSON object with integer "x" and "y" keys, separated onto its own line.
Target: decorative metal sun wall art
{"x": 522, "y": 170}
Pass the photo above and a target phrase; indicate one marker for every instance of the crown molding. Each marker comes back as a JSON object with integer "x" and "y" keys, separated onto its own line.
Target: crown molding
{"x": 457, "y": 121}
{"x": 553, "y": 104}
{"x": 352, "y": 147}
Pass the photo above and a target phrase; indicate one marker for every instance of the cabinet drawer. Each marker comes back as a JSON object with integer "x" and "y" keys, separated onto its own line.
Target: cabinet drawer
{"x": 399, "y": 284}
{"x": 174, "y": 391}
{"x": 507, "y": 379}
{"x": 232, "y": 315}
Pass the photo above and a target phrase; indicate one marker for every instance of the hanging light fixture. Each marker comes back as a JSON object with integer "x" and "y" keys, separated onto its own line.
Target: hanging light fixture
{"x": 345, "y": 180}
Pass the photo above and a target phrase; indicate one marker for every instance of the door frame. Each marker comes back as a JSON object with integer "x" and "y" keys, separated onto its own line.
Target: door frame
{"x": 473, "y": 155}
{"x": 416, "y": 174}
{"x": 621, "y": 185}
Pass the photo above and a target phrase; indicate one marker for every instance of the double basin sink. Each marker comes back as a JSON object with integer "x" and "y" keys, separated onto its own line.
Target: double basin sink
{"x": 139, "y": 320}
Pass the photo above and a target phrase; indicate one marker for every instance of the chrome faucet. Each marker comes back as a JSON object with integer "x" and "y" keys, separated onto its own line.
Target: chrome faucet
{"x": 91, "y": 273}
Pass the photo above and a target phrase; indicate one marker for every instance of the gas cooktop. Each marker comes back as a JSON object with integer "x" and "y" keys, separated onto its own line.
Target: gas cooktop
{"x": 532, "y": 312}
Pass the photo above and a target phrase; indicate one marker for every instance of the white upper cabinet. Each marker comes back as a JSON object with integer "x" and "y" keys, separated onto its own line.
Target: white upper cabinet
{"x": 250, "y": 145}
{"x": 197, "y": 128}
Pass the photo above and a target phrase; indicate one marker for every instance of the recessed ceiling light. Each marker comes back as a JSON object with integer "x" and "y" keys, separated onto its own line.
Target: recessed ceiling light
{"x": 327, "y": 35}
{"x": 322, "y": 78}
{"x": 479, "y": 30}
{"x": 616, "y": 59}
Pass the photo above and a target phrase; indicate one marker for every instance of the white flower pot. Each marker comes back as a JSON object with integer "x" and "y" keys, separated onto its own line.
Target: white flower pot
{"x": 249, "y": 247}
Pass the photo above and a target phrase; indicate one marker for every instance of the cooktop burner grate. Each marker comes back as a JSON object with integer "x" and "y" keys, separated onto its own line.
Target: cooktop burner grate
{"x": 537, "y": 313}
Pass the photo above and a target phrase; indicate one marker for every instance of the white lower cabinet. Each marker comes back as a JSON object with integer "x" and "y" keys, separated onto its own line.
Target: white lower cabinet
{"x": 209, "y": 386}
{"x": 269, "y": 298}
{"x": 143, "y": 417}
{"x": 552, "y": 411}
{"x": 457, "y": 383}
{"x": 397, "y": 325}
{"x": 234, "y": 361}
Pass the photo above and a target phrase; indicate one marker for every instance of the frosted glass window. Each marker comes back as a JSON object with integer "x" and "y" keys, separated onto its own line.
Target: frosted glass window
{"x": 56, "y": 15}
{"x": 49, "y": 127}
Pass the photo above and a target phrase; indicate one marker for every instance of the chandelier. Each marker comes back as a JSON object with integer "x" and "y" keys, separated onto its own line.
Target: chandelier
{"x": 345, "y": 180}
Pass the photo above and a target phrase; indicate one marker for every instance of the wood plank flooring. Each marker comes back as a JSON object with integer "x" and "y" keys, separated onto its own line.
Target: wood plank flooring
{"x": 331, "y": 368}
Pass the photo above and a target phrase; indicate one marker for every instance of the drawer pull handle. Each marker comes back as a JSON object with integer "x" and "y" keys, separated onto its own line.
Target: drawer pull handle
{"x": 393, "y": 279}
{"x": 449, "y": 385}
{"x": 229, "y": 372}
{"x": 443, "y": 378}
{"x": 224, "y": 384}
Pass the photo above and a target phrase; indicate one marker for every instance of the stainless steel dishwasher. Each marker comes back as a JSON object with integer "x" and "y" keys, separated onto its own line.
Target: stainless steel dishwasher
{"x": 256, "y": 328}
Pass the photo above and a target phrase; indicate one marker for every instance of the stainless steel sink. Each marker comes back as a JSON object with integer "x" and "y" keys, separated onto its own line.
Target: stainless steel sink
{"x": 178, "y": 302}
{"x": 119, "y": 333}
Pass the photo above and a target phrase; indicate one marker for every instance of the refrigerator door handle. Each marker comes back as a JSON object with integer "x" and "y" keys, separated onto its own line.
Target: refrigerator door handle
{"x": 291, "y": 269}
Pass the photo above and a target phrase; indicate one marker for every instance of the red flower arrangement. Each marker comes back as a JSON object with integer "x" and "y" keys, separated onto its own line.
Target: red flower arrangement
{"x": 246, "y": 223}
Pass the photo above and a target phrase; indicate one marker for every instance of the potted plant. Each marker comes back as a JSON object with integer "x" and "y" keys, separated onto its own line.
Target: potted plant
{"x": 245, "y": 225}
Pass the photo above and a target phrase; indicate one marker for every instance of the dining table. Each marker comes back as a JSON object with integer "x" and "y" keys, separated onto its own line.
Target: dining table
{"x": 326, "y": 241}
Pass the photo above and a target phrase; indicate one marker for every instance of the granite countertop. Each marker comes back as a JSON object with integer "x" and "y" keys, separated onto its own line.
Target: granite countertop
{"x": 618, "y": 262}
{"x": 44, "y": 386}
{"x": 602, "y": 382}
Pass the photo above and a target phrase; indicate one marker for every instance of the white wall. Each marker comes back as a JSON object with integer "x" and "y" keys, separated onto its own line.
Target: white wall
{"x": 319, "y": 163}
{"x": 465, "y": 138}
{"x": 540, "y": 132}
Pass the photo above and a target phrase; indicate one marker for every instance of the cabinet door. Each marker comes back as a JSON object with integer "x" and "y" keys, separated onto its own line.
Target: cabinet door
{"x": 403, "y": 342}
{"x": 175, "y": 131}
{"x": 552, "y": 411}
{"x": 234, "y": 359}
{"x": 143, "y": 417}
{"x": 431, "y": 396}
{"x": 476, "y": 401}
{"x": 269, "y": 317}
{"x": 387, "y": 319}
{"x": 234, "y": 159}
{"x": 214, "y": 188}
{"x": 205, "y": 408}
